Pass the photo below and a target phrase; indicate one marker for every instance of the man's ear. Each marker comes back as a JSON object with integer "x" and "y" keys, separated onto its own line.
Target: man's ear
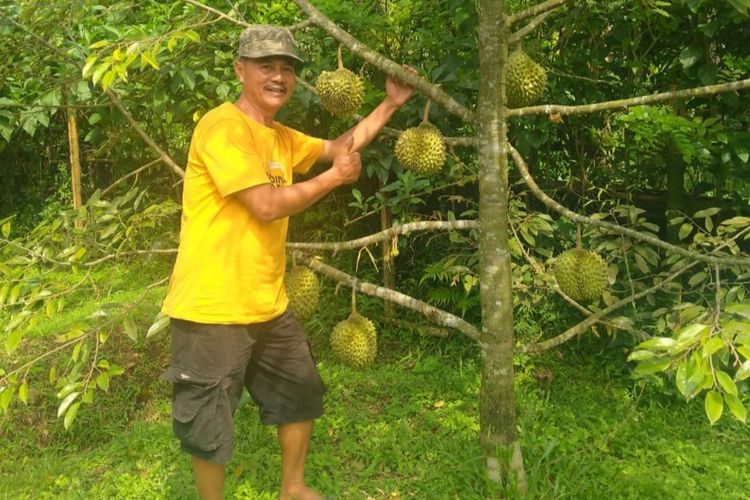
{"x": 238, "y": 67}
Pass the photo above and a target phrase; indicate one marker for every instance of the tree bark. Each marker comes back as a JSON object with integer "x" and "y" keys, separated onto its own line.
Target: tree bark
{"x": 497, "y": 406}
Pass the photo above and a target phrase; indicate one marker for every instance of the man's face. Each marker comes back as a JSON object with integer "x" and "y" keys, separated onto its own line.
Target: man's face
{"x": 267, "y": 82}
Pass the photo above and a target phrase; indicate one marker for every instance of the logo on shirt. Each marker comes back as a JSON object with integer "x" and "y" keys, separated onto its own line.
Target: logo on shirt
{"x": 275, "y": 173}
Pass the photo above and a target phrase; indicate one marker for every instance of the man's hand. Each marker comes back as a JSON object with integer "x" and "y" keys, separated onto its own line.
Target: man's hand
{"x": 347, "y": 165}
{"x": 398, "y": 92}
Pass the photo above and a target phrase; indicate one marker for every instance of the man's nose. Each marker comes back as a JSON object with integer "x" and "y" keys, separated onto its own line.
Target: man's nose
{"x": 277, "y": 74}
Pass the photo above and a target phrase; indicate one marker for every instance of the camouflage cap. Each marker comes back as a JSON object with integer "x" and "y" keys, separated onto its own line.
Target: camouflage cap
{"x": 263, "y": 40}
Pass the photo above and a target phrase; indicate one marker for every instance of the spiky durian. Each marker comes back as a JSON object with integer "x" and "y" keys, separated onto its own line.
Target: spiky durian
{"x": 526, "y": 80}
{"x": 581, "y": 274}
{"x": 341, "y": 92}
{"x": 421, "y": 149}
{"x": 354, "y": 341}
{"x": 303, "y": 289}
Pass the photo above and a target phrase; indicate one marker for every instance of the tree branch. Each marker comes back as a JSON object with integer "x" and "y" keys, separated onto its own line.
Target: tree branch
{"x": 535, "y": 10}
{"x": 146, "y": 138}
{"x": 581, "y": 327}
{"x": 430, "y": 312}
{"x": 131, "y": 174}
{"x": 585, "y": 324}
{"x": 633, "y": 101}
{"x": 384, "y": 64}
{"x": 395, "y": 230}
{"x": 242, "y": 22}
{"x": 553, "y": 205}
{"x": 534, "y": 24}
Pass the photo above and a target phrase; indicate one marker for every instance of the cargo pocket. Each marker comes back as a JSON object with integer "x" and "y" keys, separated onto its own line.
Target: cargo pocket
{"x": 196, "y": 408}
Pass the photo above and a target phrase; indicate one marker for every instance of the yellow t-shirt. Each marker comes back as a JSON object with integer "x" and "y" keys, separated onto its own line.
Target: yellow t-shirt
{"x": 230, "y": 267}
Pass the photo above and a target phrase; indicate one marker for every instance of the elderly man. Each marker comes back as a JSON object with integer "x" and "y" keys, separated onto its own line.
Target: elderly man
{"x": 229, "y": 319}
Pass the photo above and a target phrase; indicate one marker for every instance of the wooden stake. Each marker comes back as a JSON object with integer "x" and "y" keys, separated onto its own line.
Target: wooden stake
{"x": 75, "y": 163}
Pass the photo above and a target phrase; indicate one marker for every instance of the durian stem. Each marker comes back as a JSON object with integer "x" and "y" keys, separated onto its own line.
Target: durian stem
{"x": 579, "y": 239}
{"x": 341, "y": 59}
{"x": 426, "y": 113}
{"x": 354, "y": 297}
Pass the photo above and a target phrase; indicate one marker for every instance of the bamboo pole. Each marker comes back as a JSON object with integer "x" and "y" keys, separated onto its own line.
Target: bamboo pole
{"x": 75, "y": 164}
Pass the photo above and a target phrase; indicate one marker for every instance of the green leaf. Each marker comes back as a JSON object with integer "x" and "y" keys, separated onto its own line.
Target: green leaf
{"x": 6, "y": 229}
{"x": 66, "y": 403}
{"x": 691, "y": 332}
{"x": 90, "y": 61}
{"x": 109, "y": 76}
{"x": 713, "y": 345}
{"x": 736, "y": 407}
{"x": 102, "y": 381}
{"x": 11, "y": 343}
{"x": 726, "y": 382}
{"x": 697, "y": 278}
{"x": 130, "y": 329}
{"x": 740, "y": 309}
{"x": 714, "y": 406}
{"x": 160, "y": 323}
{"x": 71, "y": 415}
{"x": 684, "y": 371}
{"x": 52, "y": 375}
{"x": 641, "y": 355}
{"x": 658, "y": 344}
{"x": 707, "y": 212}
{"x": 689, "y": 56}
{"x": 23, "y": 391}
{"x": 115, "y": 370}
{"x": 68, "y": 389}
{"x": 100, "y": 44}
{"x": 744, "y": 350}
{"x": 743, "y": 372}
{"x": 685, "y": 230}
{"x": 5, "y": 396}
{"x": 99, "y": 72}
{"x": 651, "y": 366}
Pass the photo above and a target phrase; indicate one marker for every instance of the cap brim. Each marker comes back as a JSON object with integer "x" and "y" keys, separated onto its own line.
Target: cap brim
{"x": 263, "y": 53}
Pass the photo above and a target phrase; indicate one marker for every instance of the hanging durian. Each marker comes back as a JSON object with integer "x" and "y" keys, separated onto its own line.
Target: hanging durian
{"x": 341, "y": 92}
{"x": 421, "y": 149}
{"x": 354, "y": 340}
{"x": 526, "y": 80}
{"x": 303, "y": 289}
{"x": 581, "y": 274}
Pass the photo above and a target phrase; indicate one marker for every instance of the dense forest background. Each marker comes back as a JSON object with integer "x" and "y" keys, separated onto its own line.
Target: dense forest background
{"x": 658, "y": 187}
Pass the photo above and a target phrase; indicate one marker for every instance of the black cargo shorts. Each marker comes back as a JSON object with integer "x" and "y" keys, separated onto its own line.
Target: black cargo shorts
{"x": 212, "y": 363}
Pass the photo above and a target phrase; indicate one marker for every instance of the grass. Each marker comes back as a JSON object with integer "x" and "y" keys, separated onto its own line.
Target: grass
{"x": 406, "y": 427}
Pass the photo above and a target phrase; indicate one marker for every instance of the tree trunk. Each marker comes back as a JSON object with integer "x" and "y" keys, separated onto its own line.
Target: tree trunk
{"x": 497, "y": 410}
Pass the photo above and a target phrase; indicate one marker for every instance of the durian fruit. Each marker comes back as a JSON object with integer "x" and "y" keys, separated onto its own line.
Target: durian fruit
{"x": 354, "y": 340}
{"x": 421, "y": 149}
{"x": 526, "y": 80}
{"x": 303, "y": 289}
{"x": 581, "y": 274}
{"x": 341, "y": 92}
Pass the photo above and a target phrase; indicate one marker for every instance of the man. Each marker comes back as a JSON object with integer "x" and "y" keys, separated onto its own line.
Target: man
{"x": 230, "y": 324}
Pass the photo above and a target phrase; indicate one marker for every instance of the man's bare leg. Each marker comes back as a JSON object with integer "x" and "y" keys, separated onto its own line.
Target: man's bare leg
{"x": 209, "y": 479}
{"x": 294, "y": 440}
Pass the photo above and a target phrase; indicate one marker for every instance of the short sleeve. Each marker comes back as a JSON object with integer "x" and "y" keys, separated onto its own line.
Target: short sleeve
{"x": 305, "y": 150}
{"x": 227, "y": 150}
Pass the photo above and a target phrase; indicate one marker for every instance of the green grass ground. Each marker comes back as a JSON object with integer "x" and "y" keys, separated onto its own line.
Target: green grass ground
{"x": 406, "y": 427}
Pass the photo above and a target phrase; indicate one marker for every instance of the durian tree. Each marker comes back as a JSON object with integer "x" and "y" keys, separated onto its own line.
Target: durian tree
{"x": 708, "y": 351}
